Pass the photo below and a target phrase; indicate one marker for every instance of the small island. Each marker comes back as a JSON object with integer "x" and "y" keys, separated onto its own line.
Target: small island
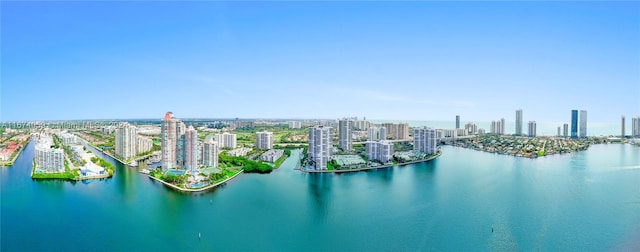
{"x": 528, "y": 147}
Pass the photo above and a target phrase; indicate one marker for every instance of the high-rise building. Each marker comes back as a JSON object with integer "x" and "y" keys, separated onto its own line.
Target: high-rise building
{"x": 209, "y": 153}
{"x": 372, "y": 134}
{"x": 574, "y": 123}
{"x": 264, "y": 140}
{"x": 48, "y": 159}
{"x": 344, "y": 134}
{"x": 635, "y": 126}
{"x": 191, "y": 150}
{"x": 381, "y": 151}
{"x": 171, "y": 131}
{"x": 502, "y": 126}
{"x": 424, "y": 140}
{"x": 295, "y": 124}
{"x": 397, "y": 131}
{"x": 493, "y": 127}
{"x": 457, "y": 121}
{"x": 143, "y": 144}
{"x": 226, "y": 140}
{"x": 471, "y": 128}
{"x": 126, "y": 141}
{"x": 559, "y": 133}
{"x": 622, "y": 133}
{"x": 519, "y": 122}
{"x": 565, "y": 130}
{"x": 320, "y": 146}
{"x": 583, "y": 123}
{"x": 382, "y": 133}
{"x": 532, "y": 129}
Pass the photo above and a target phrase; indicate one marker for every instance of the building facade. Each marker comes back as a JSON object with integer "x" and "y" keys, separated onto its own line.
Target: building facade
{"x": 126, "y": 141}
{"x": 532, "y": 129}
{"x": 635, "y": 126}
{"x": 424, "y": 140}
{"x": 457, "y": 121}
{"x": 320, "y": 146}
{"x": 191, "y": 150}
{"x": 48, "y": 159}
{"x": 344, "y": 134}
{"x": 264, "y": 140}
{"x": 519, "y": 122}
{"x": 143, "y": 144}
{"x": 583, "y": 123}
{"x": 171, "y": 132}
{"x": 574, "y": 123}
{"x": 565, "y": 130}
{"x": 209, "y": 153}
{"x": 622, "y": 133}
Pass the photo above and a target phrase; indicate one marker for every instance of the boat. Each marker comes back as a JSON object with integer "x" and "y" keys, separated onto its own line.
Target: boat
{"x": 144, "y": 171}
{"x": 133, "y": 163}
{"x": 199, "y": 236}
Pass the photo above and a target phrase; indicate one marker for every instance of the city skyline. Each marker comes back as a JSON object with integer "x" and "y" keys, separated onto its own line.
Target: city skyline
{"x": 79, "y": 58}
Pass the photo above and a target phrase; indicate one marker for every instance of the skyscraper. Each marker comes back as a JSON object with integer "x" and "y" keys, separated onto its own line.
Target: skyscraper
{"x": 320, "y": 146}
{"x": 191, "y": 150}
{"x": 583, "y": 123}
{"x": 532, "y": 129}
{"x": 126, "y": 141}
{"x": 344, "y": 134}
{"x": 209, "y": 153}
{"x": 502, "y": 126}
{"x": 565, "y": 130}
{"x": 372, "y": 134}
{"x": 424, "y": 140}
{"x": 46, "y": 158}
{"x": 171, "y": 131}
{"x": 574, "y": 123}
{"x": 457, "y": 121}
{"x": 382, "y": 133}
{"x": 622, "y": 133}
{"x": 559, "y": 134}
{"x": 635, "y": 126}
{"x": 264, "y": 140}
{"x": 519, "y": 122}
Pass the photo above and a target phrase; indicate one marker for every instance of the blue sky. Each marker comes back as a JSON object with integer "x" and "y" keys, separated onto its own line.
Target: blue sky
{"x": 382, "y": 60}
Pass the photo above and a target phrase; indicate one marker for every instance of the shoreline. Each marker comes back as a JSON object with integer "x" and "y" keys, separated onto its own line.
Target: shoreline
{"x": 373, "y": 167}
{"x": 194, "y": 190}
{"x": 19, "y": 150}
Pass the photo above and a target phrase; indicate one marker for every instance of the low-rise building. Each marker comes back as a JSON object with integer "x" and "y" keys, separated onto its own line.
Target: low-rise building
{"x": 48, "y": 159}
{"x": 271, "y": 155}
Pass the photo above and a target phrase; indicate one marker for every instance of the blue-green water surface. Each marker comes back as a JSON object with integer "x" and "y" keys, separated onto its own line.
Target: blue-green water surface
{"x": 464, "y": 200}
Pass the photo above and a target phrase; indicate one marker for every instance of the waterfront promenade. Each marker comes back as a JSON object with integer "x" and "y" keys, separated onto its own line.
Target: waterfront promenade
{"x": 372, "y": 167}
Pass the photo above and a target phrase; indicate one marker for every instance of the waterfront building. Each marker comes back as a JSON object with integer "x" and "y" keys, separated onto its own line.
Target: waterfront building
{"x": 320, "y": 146}
{"x": 519, "y": 122}
{"x": 583, "y": 123}
{"x": 502, "y": 126}
{"x": 497, "y": 127}
{"x": 448, "y": 133}
{"x": 635, "y": 126}
{"x": 461, "y": 132}
{"x": 381, "y": 151}
{"x": 622, "y": 133}
{"x": 457, "y": 121}
{"x": 239, "y": 152}
{"x": 372, "y": 134}
{"x": 143, "y": 144}
{"x": 493, "y": 127}
{"x": 574, "y": 123}
{"x": 209, "y": 153}
{"x": 565, "y": 130}
{"x": 532, "y": 129}
{"x": 48, "y": 159}
{"x": 171, "y": 131}
{"x": 191, "y": 150}
{"x": 424, "y": 140}
{"x": 344, "y": 134}
{"x": 295, "y": 124}
{"x": 126, "y": 141}
{"x": 272, "y": 155}
{"x": 559, "y": 133}
{"x": 264, "y": 140}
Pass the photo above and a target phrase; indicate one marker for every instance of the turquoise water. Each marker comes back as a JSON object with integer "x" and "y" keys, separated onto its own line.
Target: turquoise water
{"x": 579, "y": 202}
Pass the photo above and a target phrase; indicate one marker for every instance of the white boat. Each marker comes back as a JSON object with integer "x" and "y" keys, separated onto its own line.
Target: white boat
{"x": 144, "y": 171}
{"x": 133, "y": 163}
